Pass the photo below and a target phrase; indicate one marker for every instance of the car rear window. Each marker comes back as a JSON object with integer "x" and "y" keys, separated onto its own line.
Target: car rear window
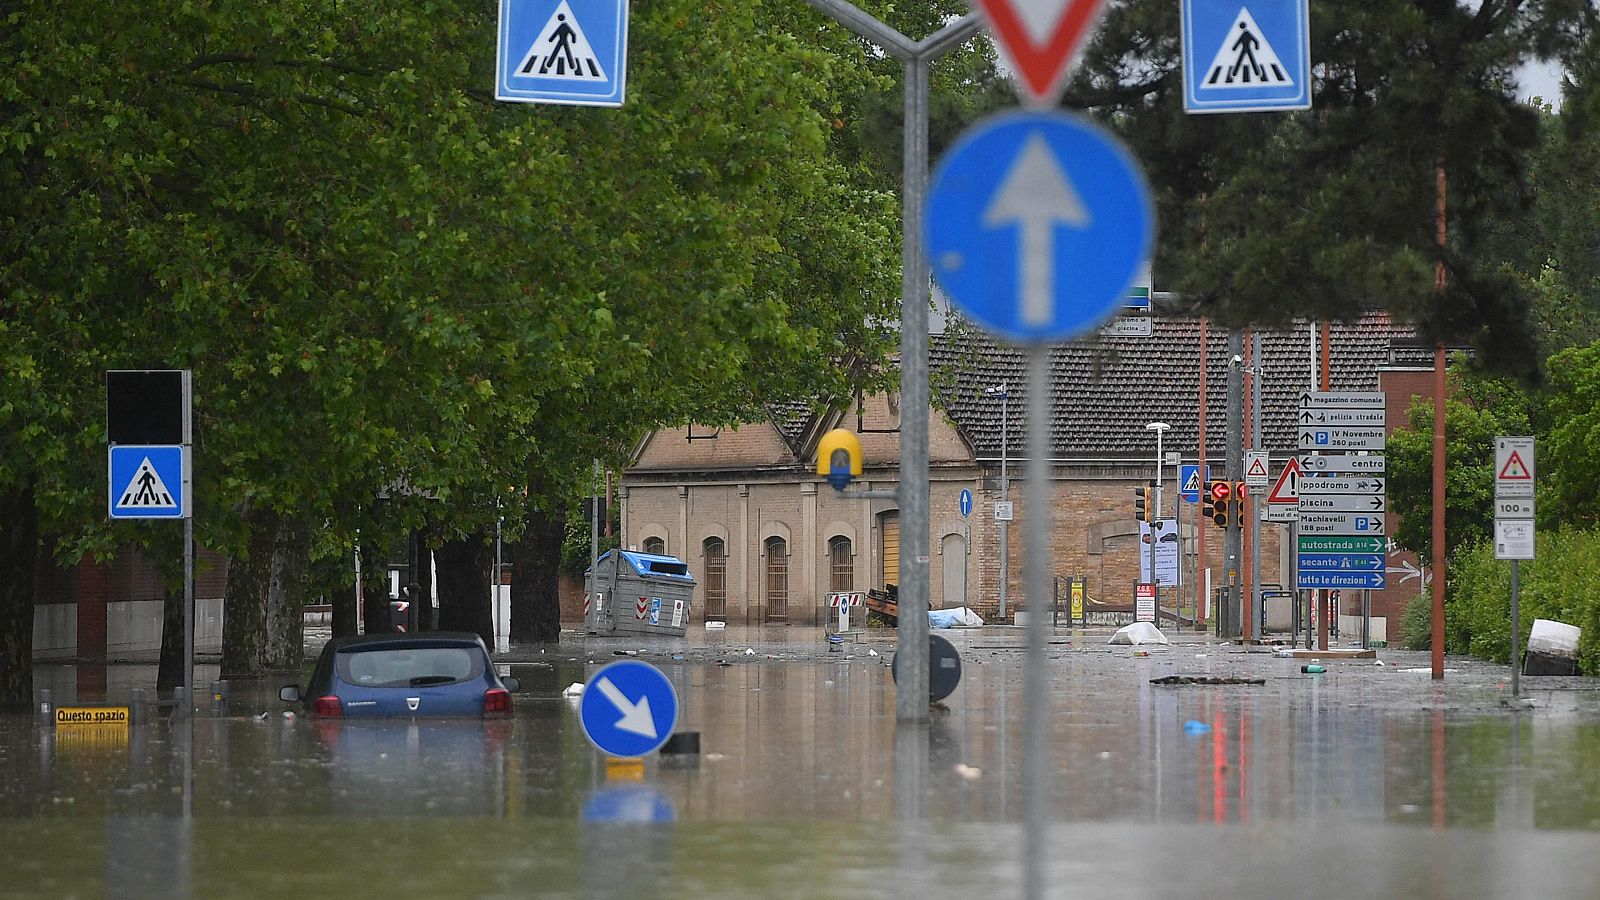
{"x": 410, "y": 667}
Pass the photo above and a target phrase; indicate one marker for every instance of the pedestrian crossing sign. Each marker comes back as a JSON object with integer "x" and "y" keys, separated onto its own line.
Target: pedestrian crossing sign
{"x": 149, "y": 482}
{"x": 570, "y": 52}
{"x": 1246, "y": 55}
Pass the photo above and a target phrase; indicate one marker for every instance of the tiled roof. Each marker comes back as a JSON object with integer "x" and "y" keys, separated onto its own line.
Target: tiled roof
{"x": 792, "y": 418}
{"x": 1105, "y": 391}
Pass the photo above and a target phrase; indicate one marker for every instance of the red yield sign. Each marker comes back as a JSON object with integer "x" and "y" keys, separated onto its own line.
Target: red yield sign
{"x": 1040, "y": 38}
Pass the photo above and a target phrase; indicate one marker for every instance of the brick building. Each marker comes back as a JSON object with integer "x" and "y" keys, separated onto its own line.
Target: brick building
{"x": 768, "y": 539}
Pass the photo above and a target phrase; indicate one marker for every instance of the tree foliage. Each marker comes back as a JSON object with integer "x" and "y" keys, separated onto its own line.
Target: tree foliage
{"x": 1326, "y": 212}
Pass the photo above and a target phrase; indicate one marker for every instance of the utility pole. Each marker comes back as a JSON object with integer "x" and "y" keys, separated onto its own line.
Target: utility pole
{"x": 1232, "y": 535}
{"x": 911, "y": 643}
{"x": 1256, "y": 505}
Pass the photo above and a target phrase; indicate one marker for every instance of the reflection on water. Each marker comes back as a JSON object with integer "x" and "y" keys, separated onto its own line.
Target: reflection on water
{"x": 805, "y": 783}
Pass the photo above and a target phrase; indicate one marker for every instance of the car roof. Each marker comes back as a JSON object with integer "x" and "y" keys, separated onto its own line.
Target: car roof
{"x": 365, "y": 642}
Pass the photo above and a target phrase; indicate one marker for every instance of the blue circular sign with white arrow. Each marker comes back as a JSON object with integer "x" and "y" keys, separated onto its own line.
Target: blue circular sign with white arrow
{"x": 966, "y": 502}
{"x": 1037, "y": 223}
{"x": 628, "y": 709}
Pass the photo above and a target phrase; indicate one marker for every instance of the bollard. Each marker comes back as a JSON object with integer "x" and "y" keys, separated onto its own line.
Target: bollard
{"x": 219, "y": 699}
{"x": 47, "y": 709}
{"x": 139, "y": 706}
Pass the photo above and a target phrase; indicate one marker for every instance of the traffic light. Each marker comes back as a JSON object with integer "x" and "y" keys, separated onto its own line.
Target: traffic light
{"x": 1221, "y": 502}
{"x": 1141, "y": 503}
{"x": 1207, "y": 505}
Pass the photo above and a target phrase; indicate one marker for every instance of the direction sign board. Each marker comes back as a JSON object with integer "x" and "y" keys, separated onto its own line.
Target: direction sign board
{"x": 1317, "y": 580}
{"x": 1341, "y": 562}
{"x": 569, "y": 52}
{"x": 1135, "y": 320}
{"x": 1341, "y": 523}
{"x": 1343, "y": 399}
{"x": 1371, "y": 418}
{"x": 1246, "y": 59}
{"x": 1341, "y": 463}
{"x": 1513, "y": 467}
{"x": 1039, "y": 38}
{"x": 1355, "y": 484}
{"x": 1342, "y": 544}
{"x": 1036, "y": 224}
{"x": 148, "y": 482}
{"x": 628, "y": 709}
{"x": 1367, "y": 503}
{"x": 1340, "y": 438}
{"x": 966, "y": 503}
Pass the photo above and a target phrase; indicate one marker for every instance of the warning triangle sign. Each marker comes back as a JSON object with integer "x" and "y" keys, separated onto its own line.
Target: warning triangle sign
{"x": 1246, "y": 59}
{"x": 1515, "y": 469}
{"x": 1040, "y": 38}
{"x": 1287, "y": 487}
{"x": 561, "y": 51}
{"x": 146, "y": 490}
{"x": 1258, "y": 468}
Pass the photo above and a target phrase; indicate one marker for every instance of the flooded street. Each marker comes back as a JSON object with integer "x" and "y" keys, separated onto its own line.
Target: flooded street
{"x": 1368, "y": 780}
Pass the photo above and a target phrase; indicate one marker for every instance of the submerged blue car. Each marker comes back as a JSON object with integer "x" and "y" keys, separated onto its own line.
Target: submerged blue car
{"x": 440, "y": 673}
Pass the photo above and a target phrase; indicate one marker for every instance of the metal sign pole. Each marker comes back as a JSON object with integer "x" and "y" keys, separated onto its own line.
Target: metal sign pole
{"x": 1037, "y": 698}
{"x": 187, "y": 705}
{"x": 1516, "y": 629}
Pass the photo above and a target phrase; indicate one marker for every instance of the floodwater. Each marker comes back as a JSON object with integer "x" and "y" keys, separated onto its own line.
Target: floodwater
{"x": 1364, "y": 781}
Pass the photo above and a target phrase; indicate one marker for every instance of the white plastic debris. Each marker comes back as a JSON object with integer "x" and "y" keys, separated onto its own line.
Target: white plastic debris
{"x": 749, "y": 652}
{"x": 871, "y": 652}
{"x": 1139, "y": 633}
{"x": 957, "y": 617}
{"x": 1554, "y": 638}
{"x": 716, "y": 626}
{"x": 970, "y": 773}
{"x": 574, "y": 689}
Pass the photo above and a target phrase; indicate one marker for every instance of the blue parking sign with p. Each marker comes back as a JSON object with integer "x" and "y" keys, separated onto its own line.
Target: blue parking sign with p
{"x": 148, "y": 481}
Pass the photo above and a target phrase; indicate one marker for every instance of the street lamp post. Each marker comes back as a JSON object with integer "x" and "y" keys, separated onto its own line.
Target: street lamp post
{"x": 1004, "y": 393}
{"x": 1160, "y": 428}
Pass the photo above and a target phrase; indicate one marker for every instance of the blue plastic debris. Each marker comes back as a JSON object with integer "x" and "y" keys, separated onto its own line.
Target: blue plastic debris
{"x": 1195, "y": 727}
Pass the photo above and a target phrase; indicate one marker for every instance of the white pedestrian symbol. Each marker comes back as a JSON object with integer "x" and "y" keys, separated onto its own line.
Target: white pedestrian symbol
{"x": 1246, "y": 59}
{"x": 146, "y": 490}
{"x": 1193, "y": 484}
{"x": 561, "y": 51}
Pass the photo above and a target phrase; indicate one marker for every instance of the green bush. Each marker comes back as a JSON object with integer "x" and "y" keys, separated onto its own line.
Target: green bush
{"x": 1562, "y": 583}
{"x": 1416, "y": 623}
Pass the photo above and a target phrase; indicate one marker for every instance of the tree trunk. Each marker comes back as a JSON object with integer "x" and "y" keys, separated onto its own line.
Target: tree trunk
{"x": 535, "y": 596}
{"x": 263, "y": 606}
{"x": 19, "y": 554}
{"x": 375, "y": 590}
{"x": 422, "y": 577}
{"x": 343, "y": 595}
{"x": 169, "y": 671}
{"x": 464, "y": 565}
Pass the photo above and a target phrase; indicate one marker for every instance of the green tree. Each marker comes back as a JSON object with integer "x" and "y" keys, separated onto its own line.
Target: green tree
{"x": 1324, "y": 212}
{"x": 1480, "y": 409}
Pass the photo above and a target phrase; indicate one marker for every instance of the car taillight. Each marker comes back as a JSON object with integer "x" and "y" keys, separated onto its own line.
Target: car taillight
{"x": 497, "y": 700}
{"x": 328, "y": 706}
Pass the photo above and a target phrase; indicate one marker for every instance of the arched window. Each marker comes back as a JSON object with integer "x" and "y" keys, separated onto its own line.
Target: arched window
{"x": 716, "y": 578}
{"x": 841, "y": 565}
{"x": 654, "y": 545}
{"x": 777, "y": 578}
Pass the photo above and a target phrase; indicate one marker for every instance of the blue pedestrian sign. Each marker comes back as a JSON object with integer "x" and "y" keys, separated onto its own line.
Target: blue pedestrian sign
{"x": 628, "y": 709}
{"x": 1037, "y": 224}
{"x": 1246, "y": 55}
{"x": 1189, "y": 482}
{"x": 572, "y": 52}
{"x": 966, "y": 502}
{"x": 148, "y": 482}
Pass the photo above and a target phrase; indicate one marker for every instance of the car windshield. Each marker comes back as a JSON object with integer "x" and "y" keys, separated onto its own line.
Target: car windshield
{"x": 410, "y": 667}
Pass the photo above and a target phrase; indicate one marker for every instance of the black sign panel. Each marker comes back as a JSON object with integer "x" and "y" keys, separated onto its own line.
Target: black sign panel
{"x": 146, "y": 407}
